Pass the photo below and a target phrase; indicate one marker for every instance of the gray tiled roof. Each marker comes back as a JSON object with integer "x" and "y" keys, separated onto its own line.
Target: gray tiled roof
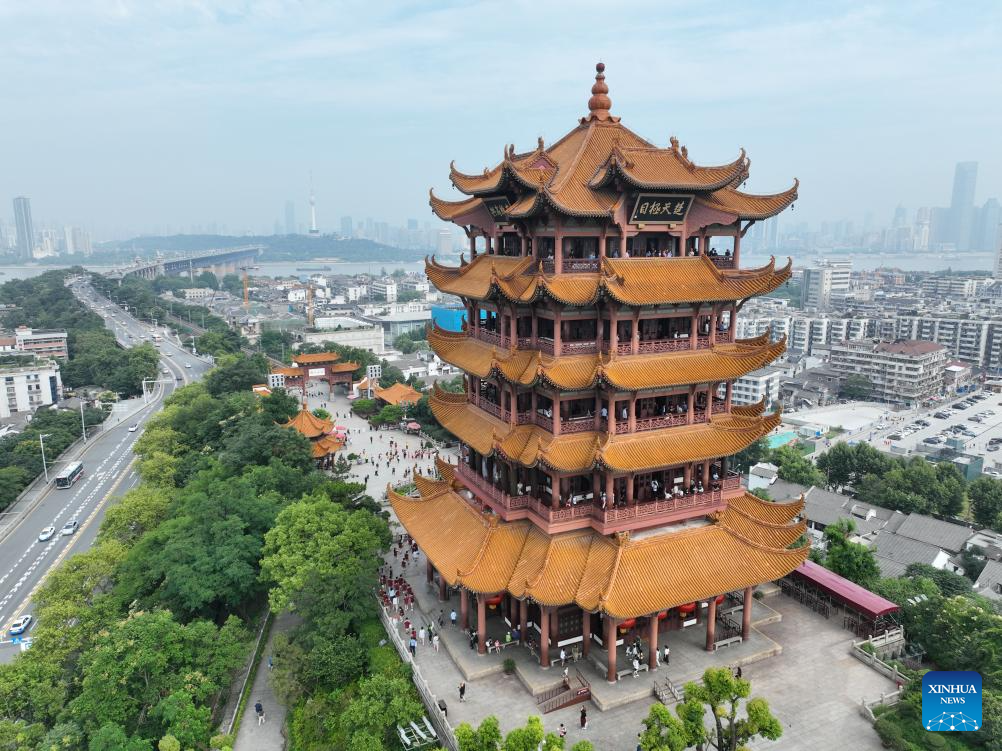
{"x": 781, "y": 490}
{"x": 990, "y": 578}
{"x": 935, "y": 532}
{"x": 894, "y": 551}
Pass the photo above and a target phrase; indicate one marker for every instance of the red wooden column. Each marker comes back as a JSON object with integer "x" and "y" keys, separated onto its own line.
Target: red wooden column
{"x": 699, "y": 611}
{"x": 481, "y": 624}
{"x": 585, "y": 632}
{"x": 690, "y": 406}
{"x": 694, "y": 328}
{"x": 443, "y": 588}
{"x": 711, "y": 624}
{"x": 544, "y": 636}
{"x": 635, "y": 339}
{"x": 652, "y": 639}
{"x": 737, "y": 244}
{"x": 429, "y": 571}
{"x": 523, "y": 620}
{"x": 464, "y": 609}
{"x": 610, "y": 647}
{"x": 746, "y": 615}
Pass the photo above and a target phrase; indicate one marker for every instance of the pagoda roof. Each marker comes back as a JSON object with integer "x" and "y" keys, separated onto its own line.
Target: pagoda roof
{"x": 578, "y": 174}
{"x": 325, "y": 446}
{"x": 723, "y": 435}
{"x": 631, "y": 281}
{"x": 617, "y": 575}
{"x": 397, "y": 393}
{"x": 628, "y": 373}
{"x": 315, "y": 357}
{"x": 309, "y": 424}
{"x": 344, "y": 367}
{"x": 288, "y": 372}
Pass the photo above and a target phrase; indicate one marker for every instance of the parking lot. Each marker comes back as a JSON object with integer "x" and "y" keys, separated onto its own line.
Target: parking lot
{"x": 980, "y": 418}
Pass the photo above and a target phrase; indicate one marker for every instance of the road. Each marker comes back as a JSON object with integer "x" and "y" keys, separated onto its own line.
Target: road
{"x": 109, "y": 472}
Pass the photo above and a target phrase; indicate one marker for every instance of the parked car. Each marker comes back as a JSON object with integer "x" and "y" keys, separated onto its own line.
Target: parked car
{"x": 932, "y": 440}
{"x": 894, "y": 437}
{"x": 945, "y": 415}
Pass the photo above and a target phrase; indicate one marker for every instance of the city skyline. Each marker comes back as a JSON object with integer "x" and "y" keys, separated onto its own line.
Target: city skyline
{"x": 843, "y": 93}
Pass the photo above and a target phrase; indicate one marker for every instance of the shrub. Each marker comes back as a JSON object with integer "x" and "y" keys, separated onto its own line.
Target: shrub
{"x": 508, "y": 666}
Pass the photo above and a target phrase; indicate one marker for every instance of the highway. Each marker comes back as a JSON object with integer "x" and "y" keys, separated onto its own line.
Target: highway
{"x": 109, "y": 472}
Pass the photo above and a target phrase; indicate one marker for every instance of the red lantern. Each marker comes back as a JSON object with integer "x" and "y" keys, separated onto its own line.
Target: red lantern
{"x": 493, "y": 602}
{"x": 627, "y": 625}
{"x": 687, "y": 608}
{"x": 720, "y": 599}
{"x": 662, "y": 615}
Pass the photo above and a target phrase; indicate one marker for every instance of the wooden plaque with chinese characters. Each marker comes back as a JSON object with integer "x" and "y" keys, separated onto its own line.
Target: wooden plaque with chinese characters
{"x": 655, "y": 208}
{"x": 497, "y": 207}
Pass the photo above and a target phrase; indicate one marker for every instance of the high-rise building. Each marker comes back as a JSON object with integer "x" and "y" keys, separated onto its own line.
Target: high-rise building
{"x": 346, "y": 227}
{"x": 597, "y": 430}
{"x": 444, "y": 245}
{"x": 25, "y": 229}
{"x": 986, "y": 228}
{"x": 290, "y": 218}
{"x": 965, "y": 180}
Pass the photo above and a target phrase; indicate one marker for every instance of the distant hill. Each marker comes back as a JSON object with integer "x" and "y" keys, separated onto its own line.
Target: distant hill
{"x": 277, "y": 248}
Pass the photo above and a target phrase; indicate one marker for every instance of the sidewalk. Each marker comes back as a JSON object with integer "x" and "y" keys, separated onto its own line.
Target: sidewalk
{"x": 269, "y": 736}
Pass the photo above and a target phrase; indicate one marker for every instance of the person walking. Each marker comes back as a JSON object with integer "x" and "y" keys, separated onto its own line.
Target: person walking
{"x": 584, "y": 718}
{"x": 452, "y": 617}
{"x": 421, "y": 635}
{"x": 667, "y": 656}
{"x": 413, "y": 646}
{"x": 434, "y": 642}
{"x": 462, "y": 690}
{"x": 563, "y": 656}
{"x": 259, "y": 708}
{"x": 562, "y": 732}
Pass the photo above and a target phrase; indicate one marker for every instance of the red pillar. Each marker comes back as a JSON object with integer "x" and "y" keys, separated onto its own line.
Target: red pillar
{"x": 544, "y": 636}
{"x": 429, "y": 571}
{"x": 481, "y": 624}
{"x": 746, "y": 615}
{"x": 443, "y": 588}
{"x": 523, "y": 620}
{"x": 585, "y": 632}
{"x": 711, "y": 624}
{"x": 610, "y": 647}
{"x": 464, "y": 609}
{"x": 652, "y": 639}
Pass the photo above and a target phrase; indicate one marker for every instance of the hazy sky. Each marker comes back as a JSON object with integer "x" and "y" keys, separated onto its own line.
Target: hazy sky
{"x": 158, "y": 113}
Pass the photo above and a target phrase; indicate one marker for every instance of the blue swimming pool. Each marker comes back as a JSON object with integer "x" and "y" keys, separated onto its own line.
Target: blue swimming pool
{"x": 781, "y": 439}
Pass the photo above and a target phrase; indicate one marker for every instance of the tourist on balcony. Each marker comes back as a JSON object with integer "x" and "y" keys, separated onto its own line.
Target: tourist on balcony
{"x": 604, "y": 500}
{"x": 604, "y": 412}
{"x": 699, "y": 486}
{"x": 654, "y": 487}
{"x": 727, "y": 254}
{"x": 692, "y": 488}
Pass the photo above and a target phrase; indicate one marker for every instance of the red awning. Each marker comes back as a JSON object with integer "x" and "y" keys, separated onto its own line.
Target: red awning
{"x": 413, "y": 426}
{"x": 849, "y": 593}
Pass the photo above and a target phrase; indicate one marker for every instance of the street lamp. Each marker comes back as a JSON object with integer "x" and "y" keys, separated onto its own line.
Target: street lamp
{"x": 41, "y": 443}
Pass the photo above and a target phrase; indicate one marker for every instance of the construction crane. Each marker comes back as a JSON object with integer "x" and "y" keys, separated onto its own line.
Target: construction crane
{"x": 309, "y": 304}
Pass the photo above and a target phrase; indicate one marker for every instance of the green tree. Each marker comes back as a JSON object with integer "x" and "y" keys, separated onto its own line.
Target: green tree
{"x": 722, "y": 695}
{"x": 236, "y": 373}
{"x": 112, "y": 737}
{"x": 756, "y": 452}
{"x": 370, "y": 718}
{"x": 837, "y": 464}
{"x": 851, "y": 560}
{"x": 857, "y": 387}
{"x": 985, "y": 495}
{"x": 795, "y": 467}
{"x": 232, "y": 284}
{"x": 485, "y": 737}
{"x": 322, "y": 413}
{"x": 391, "y": 414}
{"x": 318, "y": 557}
{"x": 665, "y": 732}
{"x": 405, "y": 344}
{"x": 280, "y": 406}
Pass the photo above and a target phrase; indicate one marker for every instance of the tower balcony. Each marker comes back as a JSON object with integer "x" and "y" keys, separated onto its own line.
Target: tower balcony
{"x": 585, "y": 511}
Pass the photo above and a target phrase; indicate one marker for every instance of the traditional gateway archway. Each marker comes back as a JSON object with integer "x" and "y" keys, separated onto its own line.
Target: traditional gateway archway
{"x": 593, "y": 493}
{"x": 321, "y": 366}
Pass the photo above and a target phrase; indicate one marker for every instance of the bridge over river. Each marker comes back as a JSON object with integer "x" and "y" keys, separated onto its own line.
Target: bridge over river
{"x": 220, "y": 262}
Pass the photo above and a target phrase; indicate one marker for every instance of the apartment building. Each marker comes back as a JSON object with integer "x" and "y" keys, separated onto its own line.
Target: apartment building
{"x": 30, "y": 387}
{"x": 41, "y": 343}
{"x": 385, "y": 288}
{"x": 902, "y": 371}
{"x": 758, "y": 385}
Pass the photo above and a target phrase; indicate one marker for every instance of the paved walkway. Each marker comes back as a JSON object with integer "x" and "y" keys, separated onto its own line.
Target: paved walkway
{"x": 268, "y": 736}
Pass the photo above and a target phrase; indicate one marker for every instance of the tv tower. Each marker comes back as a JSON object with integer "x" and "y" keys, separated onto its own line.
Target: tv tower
{"x": 314, "y": 232}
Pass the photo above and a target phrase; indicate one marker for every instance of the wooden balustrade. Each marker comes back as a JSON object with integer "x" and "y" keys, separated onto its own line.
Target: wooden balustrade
{"x": 577, "y": 425}
{"x": 580, "y": 265}
{"x": 652, "y": 346}
{"x": 722, "y": 262}
{"x": 579, "y": 348}
{"x": 661, "y": 421}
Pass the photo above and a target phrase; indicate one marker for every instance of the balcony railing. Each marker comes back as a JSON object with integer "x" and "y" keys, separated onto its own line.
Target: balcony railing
{"x": 577, "y": 425}
{"x": 563, "y": 514}
{"x": 495, "y": 495}
{"x": 580, "y": 265}
{"x": 523, "y": 418}
{"x": 579, "y": 348}
{"x": 722, "y": 262}
{"x": 544, "y": 345}
{"x": 549, "y": 266}
{"x": 651, "y": 346}
{"x": 543, "y": 421}
{"x": 491, "y": 337}
{"x": 725, "y": 337}
{"x": 657, "y": 508}
{"x": 488, "y": 406}
{"x": 662, "y": 421}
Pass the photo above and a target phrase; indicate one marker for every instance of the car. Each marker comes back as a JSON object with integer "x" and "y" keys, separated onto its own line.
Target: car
{"x": 46, "y": 534}
{"x": 187, "y": 365}
{"x": 969, "y": 433}
{"x": 976, "y": 418}
{"x": 895, "y": 437}
{"x": 941, "y": 415}
{"x": 992, "y": 447}
{"x": 989, "y": 412}
{"x": 20, "y": 625}
{"x": 932, "y": 440}
{"x": 958, "y": 406}
{"x": 70, "y": 527}
{"x": 134, "y": 428}
{"x": 923, "y": 423}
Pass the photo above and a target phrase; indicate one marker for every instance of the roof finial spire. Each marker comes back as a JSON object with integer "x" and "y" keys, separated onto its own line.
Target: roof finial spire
{"x": 600, "y": 103}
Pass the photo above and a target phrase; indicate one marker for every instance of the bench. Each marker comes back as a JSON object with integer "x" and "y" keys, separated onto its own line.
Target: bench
{"x": 726, "y": 642}
{"x": 629, "y": 671}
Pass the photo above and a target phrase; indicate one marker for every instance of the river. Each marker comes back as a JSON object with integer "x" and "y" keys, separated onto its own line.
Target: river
{"x": 980, "y": 261}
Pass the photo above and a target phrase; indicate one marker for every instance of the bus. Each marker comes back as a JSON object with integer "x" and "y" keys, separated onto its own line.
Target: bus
{"x": 69, "y": 475}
